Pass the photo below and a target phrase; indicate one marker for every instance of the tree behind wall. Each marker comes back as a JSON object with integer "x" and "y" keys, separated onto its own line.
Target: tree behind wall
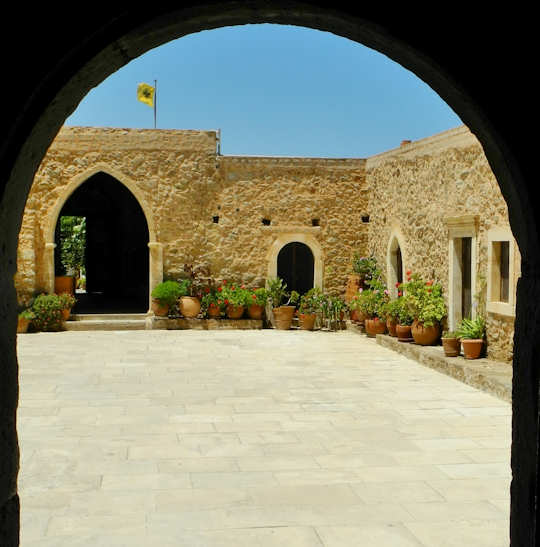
{"x": 73, "y": 244}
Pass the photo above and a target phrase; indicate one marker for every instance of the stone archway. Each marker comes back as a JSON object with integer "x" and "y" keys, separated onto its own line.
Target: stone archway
{"x": 395, "y": 261}
{"x": 295, "y": 264}
{"x": 310, "y": 241}
{"x": 56, "y": 62}
{"x": 154, "y": 247}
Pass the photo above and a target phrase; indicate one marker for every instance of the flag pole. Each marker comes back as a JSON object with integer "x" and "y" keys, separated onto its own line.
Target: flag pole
{"x": 155, "y": 103}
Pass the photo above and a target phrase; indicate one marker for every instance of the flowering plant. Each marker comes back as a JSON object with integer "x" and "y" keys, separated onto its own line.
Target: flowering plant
{"x": 234, "y": 294}
{"x": 258, "y": 297}
{"x": 365, "y": 266}
{"x": 67, "y": 300}
{"x": 424, "y": 299}
{"x": 47, "y": 309}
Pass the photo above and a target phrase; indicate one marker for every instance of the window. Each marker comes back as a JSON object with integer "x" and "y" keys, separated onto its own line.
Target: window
{"x": 501, "y": 272}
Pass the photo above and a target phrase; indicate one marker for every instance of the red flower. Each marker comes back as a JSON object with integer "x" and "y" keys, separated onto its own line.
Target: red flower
{"x": 243, "y": 287}
{"x": 254, "y": 296}
{"x": 408, "y": 272}
{"x": 220, "y": 302}
{"x": 397, "y": 284}
{"x": 226, "y": 302}
{"x": 220, "y": 289}
{"x": 224, "y": 282}
{"x": 429, "y": 283}
{"x": 429, "y": 290}
{"x": 207, "y": 290}
{"x": 400, "y": 293}
{"x": 232, "y": 288}
{"x": 408, "y": 278}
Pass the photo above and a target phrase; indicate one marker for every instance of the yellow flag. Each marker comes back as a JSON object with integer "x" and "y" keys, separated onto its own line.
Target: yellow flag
{"x": 145, "y": 94}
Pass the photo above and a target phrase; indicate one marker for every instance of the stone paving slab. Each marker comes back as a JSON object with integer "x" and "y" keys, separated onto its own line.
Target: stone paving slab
{"x": 244, "y": 438}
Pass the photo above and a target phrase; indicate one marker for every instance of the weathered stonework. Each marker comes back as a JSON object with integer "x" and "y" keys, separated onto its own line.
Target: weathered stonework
{"x": 416, "y": 189}
{"x": 183, "y": 185}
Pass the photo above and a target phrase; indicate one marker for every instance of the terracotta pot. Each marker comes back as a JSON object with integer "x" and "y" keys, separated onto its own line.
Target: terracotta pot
{"x": 234, "y": 312}
{"x": 214, "y": 311}
{"x": 451, "y": 346}
{"x": 404, "y": 333}
{"x": 190, "y": 306}
{"x": 255, "y": 311}
{"x": 391, "y": 325}
{"x": 472, "y": 348}
{"x": 64, "y": 284}
{"x": 307, "y": 320}
{"x": 283, "y": 317}
{"x": 353, "y": 315}
{"x": 159, "y": 309}
{"x": 22, "y": 325}
{"x": 65, "y": 314}
{"x": 425, "y": 336}
{"x": 375, "y": 326}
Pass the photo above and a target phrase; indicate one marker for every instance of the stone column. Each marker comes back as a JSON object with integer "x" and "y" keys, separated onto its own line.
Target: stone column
{"x": 156, "y": 267}
{"x": 49, "y": 267}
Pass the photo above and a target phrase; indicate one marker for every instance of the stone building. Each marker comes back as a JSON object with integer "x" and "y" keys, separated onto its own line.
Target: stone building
{"x": 432, "y": 206}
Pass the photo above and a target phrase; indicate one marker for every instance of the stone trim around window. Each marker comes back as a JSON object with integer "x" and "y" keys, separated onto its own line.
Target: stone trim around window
{"x": 495, "y": 304}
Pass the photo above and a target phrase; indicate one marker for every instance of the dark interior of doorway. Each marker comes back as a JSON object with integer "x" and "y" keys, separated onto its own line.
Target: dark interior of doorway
{"x": 295, "y": 265}
{"x": 116, "y": 256}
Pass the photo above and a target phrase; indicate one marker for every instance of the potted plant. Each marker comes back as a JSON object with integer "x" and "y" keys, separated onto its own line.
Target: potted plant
{"x": 451, "y": 343}
{"x": 24, "y": 320}
{"x": 426, "y": 303}
{"x": 212, "y": 303}
{"x": 391, "y": 310}
{"x": 235, "y": 299}
{"x": 405, "y": 320}
{"x": 47, "y": 310}
{"x": 283, "y": 313}
{"x": 309, "y": 306}
{"x": 67, "y": 301}
{"x": 472, "y": 333}
{"x": 164, "y": 297}
{"x": 256, "y": 303}
{"x": 372, "y": 302}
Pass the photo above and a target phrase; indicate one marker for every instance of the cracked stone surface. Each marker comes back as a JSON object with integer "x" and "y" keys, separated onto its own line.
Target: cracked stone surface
{"x": 243, "y": 438}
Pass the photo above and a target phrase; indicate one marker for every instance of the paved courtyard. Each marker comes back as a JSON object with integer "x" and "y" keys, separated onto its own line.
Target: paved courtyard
{"x": 253, "y": 439}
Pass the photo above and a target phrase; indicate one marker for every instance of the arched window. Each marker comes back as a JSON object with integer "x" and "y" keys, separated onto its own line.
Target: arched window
{"x": 394, "y": 265}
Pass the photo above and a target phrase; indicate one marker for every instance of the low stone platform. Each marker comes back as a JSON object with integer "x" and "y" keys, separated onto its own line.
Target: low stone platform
{"x": 181, "y": 323}
{"x": 493, "y": 377}
{"x": 105, "y": 322}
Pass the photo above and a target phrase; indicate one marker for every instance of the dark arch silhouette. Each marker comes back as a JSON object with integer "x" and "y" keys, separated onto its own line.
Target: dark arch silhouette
{"x": 295, "y": 265}
{"x": 55, "y": 60}
{"x": 117, "y": 263}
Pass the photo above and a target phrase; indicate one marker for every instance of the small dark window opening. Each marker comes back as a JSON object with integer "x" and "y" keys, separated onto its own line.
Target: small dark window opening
{"x": 266, "y": 221}
{"x": 399, "y": 265}
{"x": 505, "y": 271}
{"x": 315, "y": 222}
{"x": 365, "y": 219}
{"x": 466, "y": 278}
{"x": 215, "y": 219}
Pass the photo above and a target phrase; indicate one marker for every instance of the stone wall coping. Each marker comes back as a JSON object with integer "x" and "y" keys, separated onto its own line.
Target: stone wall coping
{"x": 459, "y": 137}
{"x": 99, "y": 138}
{"x": 292, "y": 161}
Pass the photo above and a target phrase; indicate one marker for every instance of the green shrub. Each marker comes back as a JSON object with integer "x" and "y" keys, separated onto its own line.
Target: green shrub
{"x": 47, "y": 309}
{"x": 67, "y": 300}
{"x": 168, "y": 292}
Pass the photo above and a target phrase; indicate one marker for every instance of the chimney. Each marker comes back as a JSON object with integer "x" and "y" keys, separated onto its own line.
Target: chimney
{"x": 403, "y": 143}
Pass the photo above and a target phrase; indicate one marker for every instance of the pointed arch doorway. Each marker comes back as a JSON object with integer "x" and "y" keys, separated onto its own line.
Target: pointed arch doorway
{"x": 116, "y": 259}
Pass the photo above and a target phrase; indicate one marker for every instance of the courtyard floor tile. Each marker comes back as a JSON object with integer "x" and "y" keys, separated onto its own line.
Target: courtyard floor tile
{"x": 253, "y": 438}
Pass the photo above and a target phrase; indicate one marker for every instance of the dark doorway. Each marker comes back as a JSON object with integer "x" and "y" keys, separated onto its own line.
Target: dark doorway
{"x": 295, "y": 265}
{"x": 116, "y": 254}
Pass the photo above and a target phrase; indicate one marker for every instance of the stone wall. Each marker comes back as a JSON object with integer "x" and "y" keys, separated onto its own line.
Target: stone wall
{"x": 182, "y": 184}
{"x": 416, "y": 190}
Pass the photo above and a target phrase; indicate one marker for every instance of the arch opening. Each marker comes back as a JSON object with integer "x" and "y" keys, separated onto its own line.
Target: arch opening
{"x": 116, "y": 264}
{"x": 296, "y": 266}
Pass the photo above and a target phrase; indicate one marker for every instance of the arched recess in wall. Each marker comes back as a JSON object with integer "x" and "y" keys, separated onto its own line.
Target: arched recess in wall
{"x": 284, "y": 239}
{"x": 395, "y": 261}
{"x": 155, "y": 248}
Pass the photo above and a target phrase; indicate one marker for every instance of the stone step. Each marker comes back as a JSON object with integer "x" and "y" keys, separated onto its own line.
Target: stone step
{"x": 106, "y": 316}
{"x": 105, "y": 324}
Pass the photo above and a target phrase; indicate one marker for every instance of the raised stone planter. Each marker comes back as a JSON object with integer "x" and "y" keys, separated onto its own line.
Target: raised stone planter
{"x": 181, "y": 323}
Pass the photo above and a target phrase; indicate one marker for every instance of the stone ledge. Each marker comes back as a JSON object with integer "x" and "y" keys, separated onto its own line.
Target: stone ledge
{"x": 493, "y": 377}
{"x": 166, "y": 323}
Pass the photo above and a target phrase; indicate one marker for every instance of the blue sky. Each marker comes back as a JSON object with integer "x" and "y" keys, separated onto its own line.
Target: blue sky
{"x": 273, "y": 90}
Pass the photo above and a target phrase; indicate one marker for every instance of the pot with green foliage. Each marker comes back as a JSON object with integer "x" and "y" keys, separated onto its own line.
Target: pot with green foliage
{"x": 310, "y": 305}
{"x": 472, "y": 333}
{"x": 283, "y": 313}
{"x": 451, "y": 343}
{"x": 392, "y": 309}
{"x": 68, "y": 301}
{"x": 164, "y": 296}
{"x": 426, "y": 303}
{"x": 24, "y": 320}
{"x": 235, "y": 298}
{"x": 47, "y": 310}
{"x": 405, "y": 320}
{"x": 256, "y": 302}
